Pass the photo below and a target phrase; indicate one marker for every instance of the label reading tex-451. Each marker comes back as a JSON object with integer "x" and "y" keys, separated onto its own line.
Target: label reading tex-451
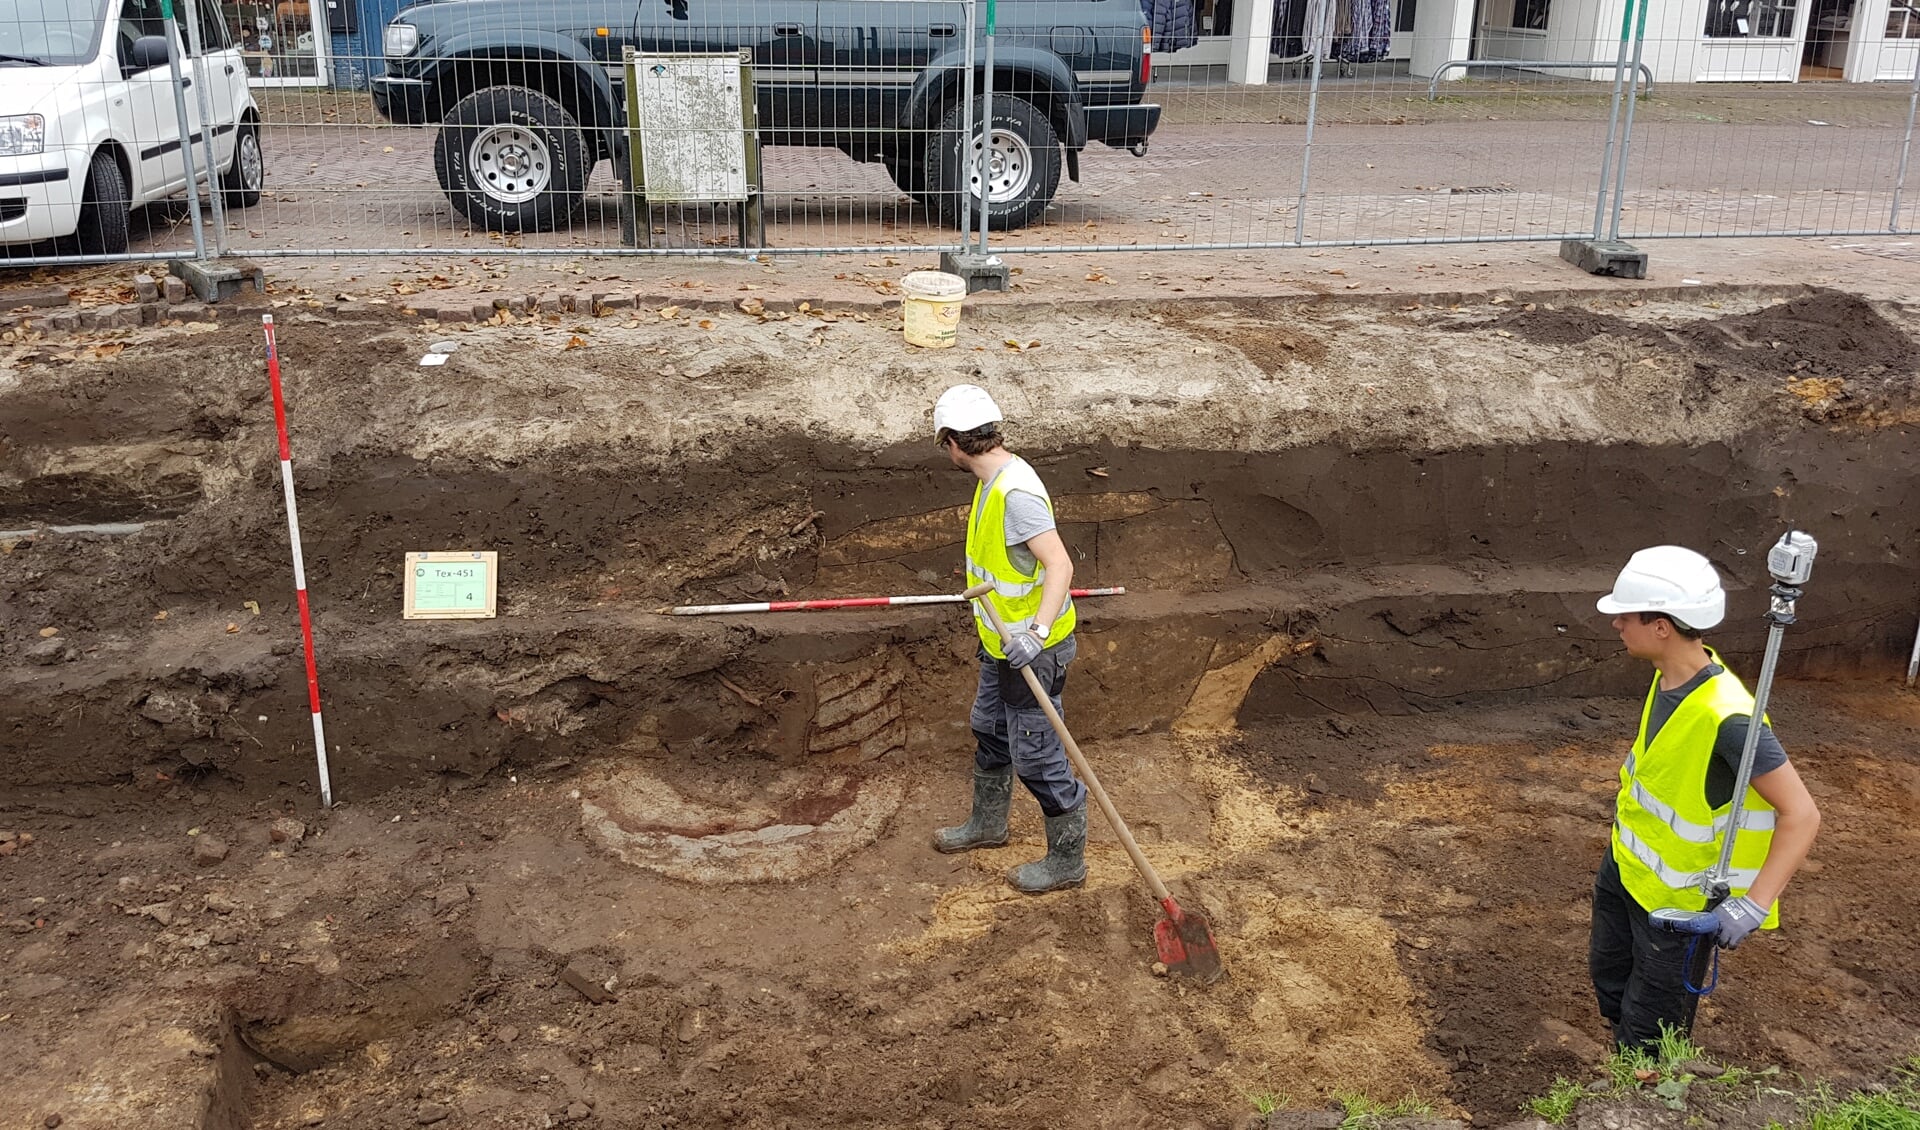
{"x": 451, "y": 585}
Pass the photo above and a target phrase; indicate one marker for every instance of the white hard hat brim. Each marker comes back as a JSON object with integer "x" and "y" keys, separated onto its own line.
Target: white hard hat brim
{"x": 1699, "y": 617}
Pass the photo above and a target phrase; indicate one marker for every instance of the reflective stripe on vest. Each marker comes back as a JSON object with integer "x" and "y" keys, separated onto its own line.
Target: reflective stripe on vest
{"x": 1016, "y": 594}
{"x": 1650, "y": 859}
{"x": 1666, "y": 837}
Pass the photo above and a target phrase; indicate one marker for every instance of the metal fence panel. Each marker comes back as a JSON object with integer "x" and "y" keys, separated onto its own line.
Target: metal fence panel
{"x": 1281, "y": 123}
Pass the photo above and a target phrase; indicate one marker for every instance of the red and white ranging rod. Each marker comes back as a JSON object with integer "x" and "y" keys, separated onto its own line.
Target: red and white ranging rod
{"x": 846, "y": 602}
{"x": 299, "y": 565}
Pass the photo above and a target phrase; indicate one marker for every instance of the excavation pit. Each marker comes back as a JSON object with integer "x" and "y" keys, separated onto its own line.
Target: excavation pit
{"x": 1357, "y": 706}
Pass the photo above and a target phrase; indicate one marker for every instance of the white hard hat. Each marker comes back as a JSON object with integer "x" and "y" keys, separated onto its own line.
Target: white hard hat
{"x": 1671, "y": 580}
{"x": 963, "y": 408}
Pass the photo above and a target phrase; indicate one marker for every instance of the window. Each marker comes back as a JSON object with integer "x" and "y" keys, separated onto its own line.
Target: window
{"x": 213, "y": 29}
{"x": 1403, "y": 15}
{"x": 276, "y": 37}
{"x": 1903, "y": 21}
{"x": 60, "y": 33}
{"x": 138, "y": 19}
{"x": 1750, "y": 19}
{"x": 1530, "y": 15}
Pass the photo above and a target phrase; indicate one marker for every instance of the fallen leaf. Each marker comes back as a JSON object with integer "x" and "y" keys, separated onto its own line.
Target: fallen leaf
{"x": 1097, "y": 472}
{"x": 574, "y": 342}
{"x": 669, "y": 313}
{"x": 252, "y": 606}
{"x": 706, "y": 323}
{"x": 751, "y": 306}
{"x": 232, "y": 627}
{"x": 49, "y": 633}
{"x": 160, "y": 615}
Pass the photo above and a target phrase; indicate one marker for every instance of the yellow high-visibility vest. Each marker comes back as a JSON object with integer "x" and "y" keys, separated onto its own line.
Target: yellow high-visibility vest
{"x": 1016, "y": 595}
{"x": 1665, "y": 835}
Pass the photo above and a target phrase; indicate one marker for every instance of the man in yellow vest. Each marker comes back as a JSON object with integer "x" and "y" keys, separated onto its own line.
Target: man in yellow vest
{"x": 1676, "y": 794}
{"x": 1014, "y": 544}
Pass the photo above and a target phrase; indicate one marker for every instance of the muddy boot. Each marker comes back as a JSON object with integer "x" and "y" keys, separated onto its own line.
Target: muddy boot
{"x": 987, "y": 827}
{"x": 1065, "y": 864}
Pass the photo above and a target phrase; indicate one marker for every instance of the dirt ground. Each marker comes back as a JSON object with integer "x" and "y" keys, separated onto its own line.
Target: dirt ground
{"x": 601, "y": 866}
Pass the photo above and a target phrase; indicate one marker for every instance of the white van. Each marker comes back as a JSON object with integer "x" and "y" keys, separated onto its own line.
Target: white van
{"x": 88, "y": 128}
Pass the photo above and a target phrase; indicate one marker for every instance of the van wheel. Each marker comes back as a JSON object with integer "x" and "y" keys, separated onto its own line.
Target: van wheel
{"x": 242, "y": 181}
{"x": 103, "y": 209}
{"x": 512, "y": 159}
{"x": 1023, "y": 166}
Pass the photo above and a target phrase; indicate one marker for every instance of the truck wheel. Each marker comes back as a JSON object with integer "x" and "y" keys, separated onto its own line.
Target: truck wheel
{"x": 103, "y": 209}
{"x": 512, "y": 159}
{"x": 1023, "y": 169}
{"x": 242, "y": 181}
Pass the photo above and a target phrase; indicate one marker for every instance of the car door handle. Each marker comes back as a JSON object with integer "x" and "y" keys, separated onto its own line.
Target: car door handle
{"x": 186, "y": 83}
{"x": 941, "y": 30}
{"x": 787, "y": 29}
{"x": 229, "y": 68}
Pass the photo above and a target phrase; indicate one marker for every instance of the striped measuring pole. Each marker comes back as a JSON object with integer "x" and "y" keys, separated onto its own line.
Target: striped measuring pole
{"x": 299, "y": 565}
{"x": 847, "y": 602}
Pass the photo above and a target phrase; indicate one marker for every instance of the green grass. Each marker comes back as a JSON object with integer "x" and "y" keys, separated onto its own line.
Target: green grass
{"x": 1673, "y": 1048}
{"x": 1266, "y": 1102}
{"x": 1558, "y": 1103}
{"x": 1896, "y": 1108}
{"x": 1362, "y": 1112}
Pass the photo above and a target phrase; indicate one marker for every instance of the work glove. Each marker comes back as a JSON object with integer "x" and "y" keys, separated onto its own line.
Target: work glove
{"x": 1738, "y": 917}
{"x": 1024, "y": 645}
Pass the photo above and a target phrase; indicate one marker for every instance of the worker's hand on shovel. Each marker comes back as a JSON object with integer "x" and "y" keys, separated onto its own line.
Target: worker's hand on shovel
{"x": 1023, "y": 644}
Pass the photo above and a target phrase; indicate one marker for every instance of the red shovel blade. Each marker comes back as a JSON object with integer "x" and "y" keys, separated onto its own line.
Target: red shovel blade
{"x": 1185, "y": 944}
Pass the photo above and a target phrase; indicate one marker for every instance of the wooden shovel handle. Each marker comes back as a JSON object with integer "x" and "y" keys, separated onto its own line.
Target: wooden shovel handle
{"x": 1079, "y": 759}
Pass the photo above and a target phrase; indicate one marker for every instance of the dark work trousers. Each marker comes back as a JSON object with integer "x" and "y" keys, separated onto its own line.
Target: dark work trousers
{"x": 1639, "y": 971}
{"x": 1009, "y": 726}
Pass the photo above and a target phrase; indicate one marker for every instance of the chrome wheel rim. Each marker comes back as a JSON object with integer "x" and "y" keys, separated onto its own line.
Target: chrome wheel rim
{"x": 510, "y": 163}
{"x": 1009, "y": 167}
{"x": 252, "y": 167}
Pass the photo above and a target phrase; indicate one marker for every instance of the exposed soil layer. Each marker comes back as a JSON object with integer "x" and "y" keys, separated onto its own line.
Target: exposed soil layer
{"x": 1357, "y": 702}
{"x": 1416, "y": 928}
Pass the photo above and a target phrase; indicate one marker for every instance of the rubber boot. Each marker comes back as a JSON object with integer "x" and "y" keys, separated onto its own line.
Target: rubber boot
{"x": 1066, "y": 862}
{"x": 987, "y": 827}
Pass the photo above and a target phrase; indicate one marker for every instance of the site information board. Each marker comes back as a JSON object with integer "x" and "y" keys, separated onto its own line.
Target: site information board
{"x": 451, "y": 585}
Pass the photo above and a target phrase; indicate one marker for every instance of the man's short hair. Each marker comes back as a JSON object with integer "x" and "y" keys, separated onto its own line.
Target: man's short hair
{"x": 979, "y": 441}
{"x": 1682, "y": 630}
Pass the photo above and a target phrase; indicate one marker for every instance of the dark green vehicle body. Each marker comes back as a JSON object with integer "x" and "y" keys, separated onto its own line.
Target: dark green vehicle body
{"x": 877, "y": 79}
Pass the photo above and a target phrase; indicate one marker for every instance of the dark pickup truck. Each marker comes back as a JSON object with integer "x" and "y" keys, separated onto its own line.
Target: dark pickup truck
{"x": 529, "y": 95}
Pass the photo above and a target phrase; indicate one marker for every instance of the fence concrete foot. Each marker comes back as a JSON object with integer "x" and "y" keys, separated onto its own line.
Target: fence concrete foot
{"x": 1605, "y": 257}
{"x": 215, "y": 281}
{"x": 982, "y": 272}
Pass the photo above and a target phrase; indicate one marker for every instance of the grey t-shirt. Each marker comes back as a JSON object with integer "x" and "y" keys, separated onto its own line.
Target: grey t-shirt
{"x": 1727, "y": 746}
{"x": 1027, "y": 518}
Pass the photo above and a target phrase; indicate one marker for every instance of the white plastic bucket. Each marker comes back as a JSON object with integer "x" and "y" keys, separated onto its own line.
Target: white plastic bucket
{"x": 932, "y": 308}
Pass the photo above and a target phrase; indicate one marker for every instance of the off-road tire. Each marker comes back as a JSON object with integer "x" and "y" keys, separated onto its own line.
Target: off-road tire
{"x": 103, "y": 209}
{"x": 512, "y": 159}
{"x": 240, "y": 185}
{"x": 949, "y": 175}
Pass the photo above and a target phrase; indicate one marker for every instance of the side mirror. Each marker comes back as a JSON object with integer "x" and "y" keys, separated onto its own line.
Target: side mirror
{"x": 149, "y": 51}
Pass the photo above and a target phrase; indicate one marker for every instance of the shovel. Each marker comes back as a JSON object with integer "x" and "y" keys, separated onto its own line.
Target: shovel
{"x": 1184, "y": 939}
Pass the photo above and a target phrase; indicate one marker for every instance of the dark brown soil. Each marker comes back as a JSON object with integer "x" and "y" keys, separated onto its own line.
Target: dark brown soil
{"x": 1411, "y": 717}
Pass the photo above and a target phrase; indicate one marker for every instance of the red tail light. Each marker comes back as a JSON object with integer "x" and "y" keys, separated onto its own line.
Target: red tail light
{"x": 1146, "y": 55}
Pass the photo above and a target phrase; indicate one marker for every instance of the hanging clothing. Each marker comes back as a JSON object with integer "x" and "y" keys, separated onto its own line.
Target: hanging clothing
{"x": 1302, "y": 29}
{"x": 1175, "y": 27}
{"x": 1369, "y": 31}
